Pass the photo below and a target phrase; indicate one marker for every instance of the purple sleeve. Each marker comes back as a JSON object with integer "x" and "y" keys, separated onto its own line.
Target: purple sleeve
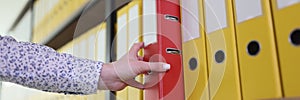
{"x": 37, "y": 66}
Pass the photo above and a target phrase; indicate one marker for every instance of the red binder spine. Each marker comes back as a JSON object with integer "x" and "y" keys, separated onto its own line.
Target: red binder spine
{"x": 167, "y": 49}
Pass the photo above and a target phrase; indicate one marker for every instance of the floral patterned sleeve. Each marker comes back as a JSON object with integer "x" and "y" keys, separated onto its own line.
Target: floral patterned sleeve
{"x": 37, "y": 66}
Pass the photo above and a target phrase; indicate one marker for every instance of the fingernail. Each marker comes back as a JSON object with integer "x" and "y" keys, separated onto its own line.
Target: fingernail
{"x": 166, "y": 66}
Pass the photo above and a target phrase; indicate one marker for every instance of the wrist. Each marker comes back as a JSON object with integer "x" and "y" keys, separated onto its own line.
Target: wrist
{"x": 105, "y": 75}
{"x": 109, "y": 79}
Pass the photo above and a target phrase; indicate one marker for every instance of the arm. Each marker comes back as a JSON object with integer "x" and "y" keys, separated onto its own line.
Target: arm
{"x": 41, "y": 67}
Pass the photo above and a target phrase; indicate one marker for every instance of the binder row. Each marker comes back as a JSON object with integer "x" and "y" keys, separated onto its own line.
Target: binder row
{"x": 240, "y": 50}
{"x": 231, "y": 49}
{"x": 88, "y": 46}
{"x": 52, "y": 15}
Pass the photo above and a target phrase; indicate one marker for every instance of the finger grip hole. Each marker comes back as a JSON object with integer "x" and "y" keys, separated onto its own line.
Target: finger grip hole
{"x": 193, "y": 63}
{"x": 295, "y": 37}
{"x": 253, "y": 48}
{"x": 219, "y": 56}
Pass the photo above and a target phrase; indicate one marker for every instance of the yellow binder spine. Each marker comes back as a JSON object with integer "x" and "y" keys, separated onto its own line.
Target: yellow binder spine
{"x": 259, "y": 68}
{"x": 287, "y": 31}
{"x": 134, "y": 35}
{"x": 121, "y": 40}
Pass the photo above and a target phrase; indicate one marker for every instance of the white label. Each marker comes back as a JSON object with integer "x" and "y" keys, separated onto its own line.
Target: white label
{"x": 190, "y": 20}
{"x": 92, "y": 47}
{"x": 70, "y": 50}
{"x": 149, "y": 22}
{"x": 133, "y": 25}
{"x": 83, "y": 48}
{"x": 101, "y": 45}
{"x": 248, "y": 9}
{"x": 122, "y": 36}
{"x": 215, "y": 15}
{"x": 285, "y": 3}
{"x": 122, "y": 23}
{"x": 149, "y": 38}
{"x": 76, "y": 49}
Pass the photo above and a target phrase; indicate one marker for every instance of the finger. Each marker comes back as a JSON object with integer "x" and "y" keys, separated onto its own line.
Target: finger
{"x": 135, "y": 48}
{"x": 135, "y": 84}
{"x": 152, "y": 66}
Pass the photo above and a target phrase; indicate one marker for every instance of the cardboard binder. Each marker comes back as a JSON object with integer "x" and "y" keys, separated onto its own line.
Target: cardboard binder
{"x": 221, "y": 50}
{"x": 80, "y": 46}
{"x": 194, "y": 50}
{"x": 164, "y": 45}
{"x": 36, "y": 28}
{"x": 101, "y": 42}
{"x": 84, "y": 46}
{"x": 91, "y": 43}
{"x": 121, "y": 43}
{"x": 259, "y": 68}
{"x": 76, "y": 47}
{"x": 134, "y": 36}
{"x": 287, "y": 28}
{"x": 100, "y": 53}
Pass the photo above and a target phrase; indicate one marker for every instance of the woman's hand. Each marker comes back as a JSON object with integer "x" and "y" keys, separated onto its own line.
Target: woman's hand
{"x": 119, "y": 74}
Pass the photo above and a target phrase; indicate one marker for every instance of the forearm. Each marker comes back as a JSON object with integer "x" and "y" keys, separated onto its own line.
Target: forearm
{"x": 40, "y": 67}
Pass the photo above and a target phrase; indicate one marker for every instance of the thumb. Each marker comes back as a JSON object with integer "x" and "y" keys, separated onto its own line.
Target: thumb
{"x": 135, "y": 49}
{"x": 153, "y": 67}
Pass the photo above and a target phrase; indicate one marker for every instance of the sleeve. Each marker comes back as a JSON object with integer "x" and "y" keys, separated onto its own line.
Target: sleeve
{"x": 37, "y": 66}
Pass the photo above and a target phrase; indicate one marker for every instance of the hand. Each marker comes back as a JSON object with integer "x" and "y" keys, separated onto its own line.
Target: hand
{"x": 117, "y": 75}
